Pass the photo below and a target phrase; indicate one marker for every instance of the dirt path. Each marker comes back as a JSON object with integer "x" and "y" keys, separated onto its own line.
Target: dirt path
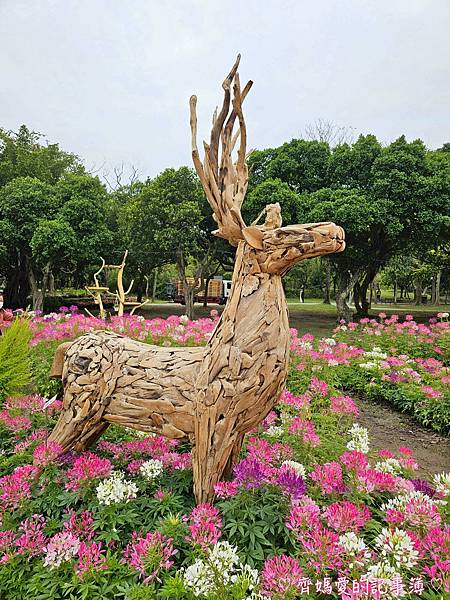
{"x": 391, "y": 429}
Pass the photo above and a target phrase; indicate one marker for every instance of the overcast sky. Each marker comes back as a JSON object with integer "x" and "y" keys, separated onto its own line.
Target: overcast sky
{"x": 110, "y": 79}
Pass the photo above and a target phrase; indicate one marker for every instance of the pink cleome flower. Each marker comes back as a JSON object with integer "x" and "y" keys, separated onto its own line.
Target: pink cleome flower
{"x": 46, "y": 453}
{"x": 306, "y": 430}
{"x": 226, "y": 489}
{"x": 16, "y": 487}
{"x": 149, "y": 554}
{"x": 31, "y": 540}
{"x": 343, "y": 405}
{"x": 329, "y": 477}
{"x": 346, "y": 516}
{"x": 80, "y": 524}
{"x": 205, "y": 525}
{"x": 91, "y": 558}
{"x": 281, "y": 575}
{"x": 304, "y": 514}
{"x": 86, "y": 468}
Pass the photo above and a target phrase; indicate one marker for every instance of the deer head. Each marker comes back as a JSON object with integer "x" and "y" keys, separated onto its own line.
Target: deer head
{"x": 225, "y": 182}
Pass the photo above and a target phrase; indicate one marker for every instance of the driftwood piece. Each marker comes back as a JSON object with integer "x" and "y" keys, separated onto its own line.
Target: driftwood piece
{"x": 210, "y": 395}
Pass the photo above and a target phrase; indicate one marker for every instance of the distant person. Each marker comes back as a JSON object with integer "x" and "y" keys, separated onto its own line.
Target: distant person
{"x": 302, "y": 295}
{"x": 378, "y": 294}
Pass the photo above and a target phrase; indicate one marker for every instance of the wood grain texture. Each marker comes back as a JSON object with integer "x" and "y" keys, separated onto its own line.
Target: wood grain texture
{"x": 213, "y": 395}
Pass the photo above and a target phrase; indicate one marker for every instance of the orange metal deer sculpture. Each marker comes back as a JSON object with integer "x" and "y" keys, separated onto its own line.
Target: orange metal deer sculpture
{"x": 209, "y": 395}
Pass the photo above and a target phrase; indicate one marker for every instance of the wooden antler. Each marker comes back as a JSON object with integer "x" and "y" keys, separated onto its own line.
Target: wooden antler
{"x": 224, "y": 181}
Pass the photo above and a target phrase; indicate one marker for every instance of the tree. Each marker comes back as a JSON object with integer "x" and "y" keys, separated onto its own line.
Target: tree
{"x": 28, "y": 169}
{"x": 52, "y": 247}
{"x": 23, "y": 203}
{"x": 82, "y": 204}
{"x": 163, "y": 224}
{"x": 23, "y": 155}
{"x": 302, "y": 164}
{"x": 327, "y": 131}
{"x": 271, "y": 191}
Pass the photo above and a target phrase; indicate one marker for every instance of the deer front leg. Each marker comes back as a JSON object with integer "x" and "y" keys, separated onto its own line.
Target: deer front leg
{"x": 217, "y": 444}
{"x": 234, "y": 456}
{"x": 81, "y": 420}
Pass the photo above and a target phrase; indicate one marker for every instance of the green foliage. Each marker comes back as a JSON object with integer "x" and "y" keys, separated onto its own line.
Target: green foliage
{"x": 14, "y": 359}
{"x": 254, "y": 522}
{"x": 41, "y": 358}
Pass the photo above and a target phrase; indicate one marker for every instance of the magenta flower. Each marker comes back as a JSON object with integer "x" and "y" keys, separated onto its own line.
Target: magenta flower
{"x": 91, "y": 559}
{"x": 281, "y": 575}
{"x": 31, "y": 540}
{"x": 346, "y": 516}
{"x": 251, "y": 473}
{"x": 329, "y": 477}
{"x": 291, "y": 483}
{"x": 86, "y": 468}
{"x": 343, "y": 405}
{"x": 46, "y": 453}
{"x": 149, "y": 554}
{"x": 205, "y": 526}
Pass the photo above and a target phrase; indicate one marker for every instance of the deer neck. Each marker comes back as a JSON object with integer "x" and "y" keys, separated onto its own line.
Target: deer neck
{"x": 255, "y": 318}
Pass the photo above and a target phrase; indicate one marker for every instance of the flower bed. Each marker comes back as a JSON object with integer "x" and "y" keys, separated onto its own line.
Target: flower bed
{"x": 311, "y": 507}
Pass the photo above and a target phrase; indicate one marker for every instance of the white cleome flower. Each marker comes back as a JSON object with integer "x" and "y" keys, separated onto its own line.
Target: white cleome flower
{"x": 389, "y": 465}
{"x": 246, "y": 575}
{"x": 295, "y": 466}
{"x": 442, "y": 483}
{"x": 397, "y": 547}
{"x": 369, "y": 365}
{"x": 151, "y": 469}
{"x": 222, "y": 566}
{"x": 385, "y": 574}
{"x": 359, "y": 439}
{"x": 400, "y": 501}
{"x": 275, "y": 431}
{"x": 197, "y": 578}
{"x": 355, "y": 546}
{"x": 116, "y": 489}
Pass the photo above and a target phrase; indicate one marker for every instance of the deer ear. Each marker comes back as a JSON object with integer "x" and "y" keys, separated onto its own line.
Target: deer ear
{"x": 253, "y": 236}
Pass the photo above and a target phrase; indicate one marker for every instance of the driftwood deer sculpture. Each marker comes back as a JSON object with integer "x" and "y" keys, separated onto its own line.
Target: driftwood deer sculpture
{"x": 209, "y": 395}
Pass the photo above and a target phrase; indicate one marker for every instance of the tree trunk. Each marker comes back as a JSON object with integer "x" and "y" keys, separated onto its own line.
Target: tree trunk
{"x": 189, "y": 291}
{"x": 418, "y": 290}
{"x": 51, "y": 283}
{"x": 17, "y": 288}
{"x": 437, "y": 288}
{"x": 326, "y": 292}
{"x": 344, "y": 283}
{"x": 38, "y": 289}
{"x": 155, "y": 283}
{"x": 362, "y": 303}
{"x": 395, "y": 292}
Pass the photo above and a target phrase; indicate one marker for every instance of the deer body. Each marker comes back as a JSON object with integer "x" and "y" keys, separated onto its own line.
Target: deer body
{"x": 210, "y": 395}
